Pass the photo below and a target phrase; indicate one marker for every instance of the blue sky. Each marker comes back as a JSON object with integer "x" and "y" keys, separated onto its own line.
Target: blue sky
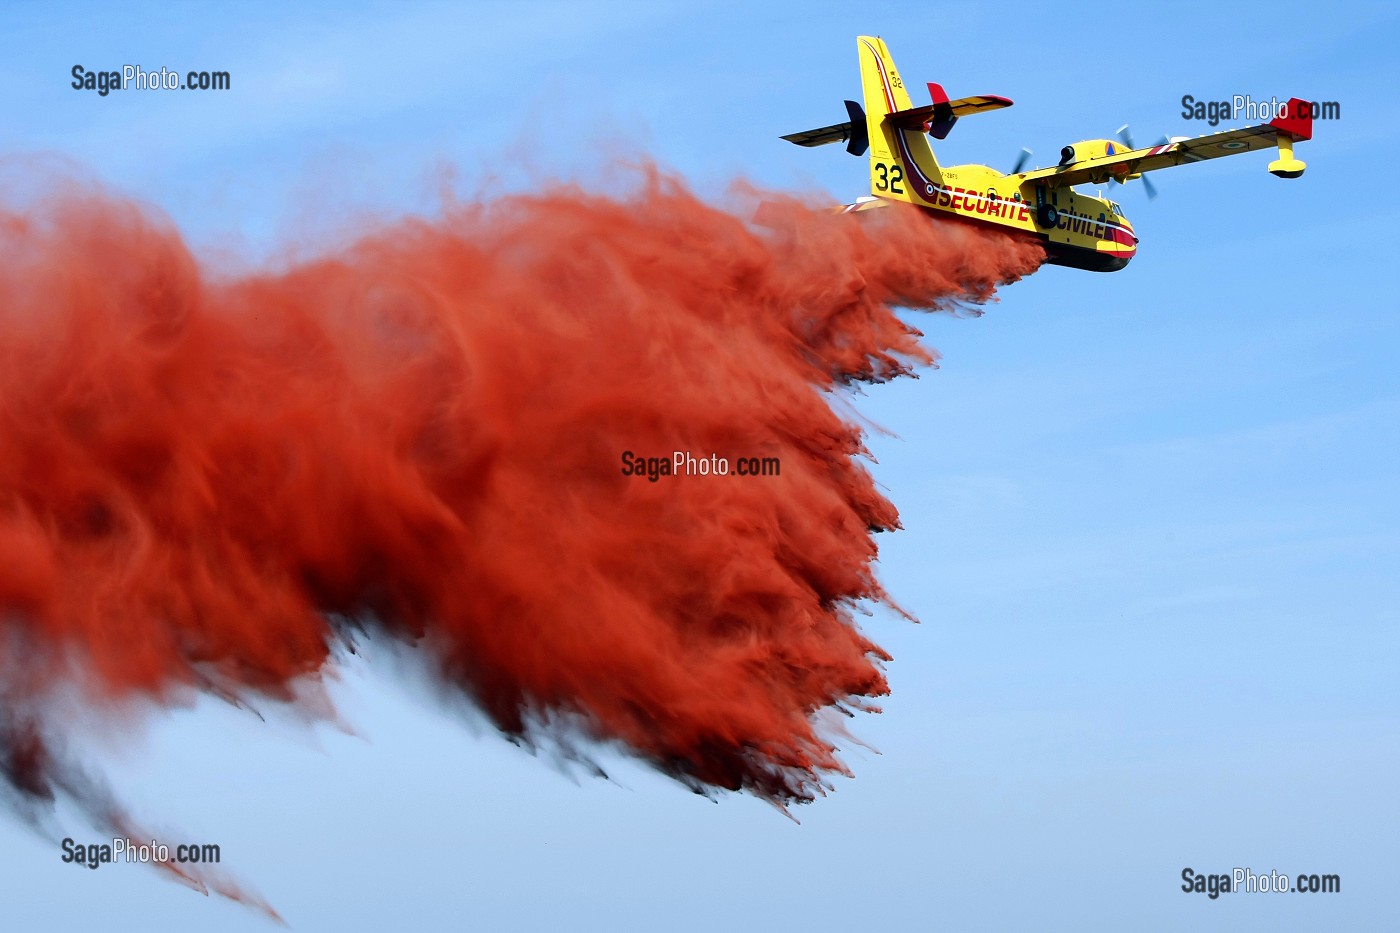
{"x": 1152, "y": 520}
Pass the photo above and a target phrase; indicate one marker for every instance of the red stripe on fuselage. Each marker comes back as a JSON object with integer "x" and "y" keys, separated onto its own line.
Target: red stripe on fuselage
{"x": 926, "y": 189}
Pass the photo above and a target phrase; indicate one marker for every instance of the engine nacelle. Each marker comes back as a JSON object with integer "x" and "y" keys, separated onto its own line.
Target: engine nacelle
{"x": 1089, "y": 149}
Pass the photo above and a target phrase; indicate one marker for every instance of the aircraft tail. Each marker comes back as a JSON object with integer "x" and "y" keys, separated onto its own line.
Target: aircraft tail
{"x": 902, "y": 164}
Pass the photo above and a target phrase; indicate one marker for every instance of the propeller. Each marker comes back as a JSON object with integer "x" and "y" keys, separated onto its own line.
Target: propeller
{"x": 1150, "y": 188}
{"x": 1126, "y": 135}
{"x": 1021, "y": 161}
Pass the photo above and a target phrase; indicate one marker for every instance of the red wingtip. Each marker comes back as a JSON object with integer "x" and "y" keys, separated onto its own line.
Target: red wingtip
{"x": 1296, "y": 120}
{"x": 936, "y": 92}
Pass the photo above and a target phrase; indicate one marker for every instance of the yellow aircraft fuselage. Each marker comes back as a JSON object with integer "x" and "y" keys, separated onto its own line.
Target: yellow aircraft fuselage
{"x": 1076, "y": 229}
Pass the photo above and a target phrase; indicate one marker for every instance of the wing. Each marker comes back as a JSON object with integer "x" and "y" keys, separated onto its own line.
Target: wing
{"x": 1177, "y": 152}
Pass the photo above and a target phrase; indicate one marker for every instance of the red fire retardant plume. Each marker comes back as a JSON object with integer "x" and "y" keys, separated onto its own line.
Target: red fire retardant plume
{"x": 211, "y": 485}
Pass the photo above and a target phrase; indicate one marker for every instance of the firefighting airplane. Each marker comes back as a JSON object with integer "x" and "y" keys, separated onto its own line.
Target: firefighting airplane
{"x": 1077, "y": 229}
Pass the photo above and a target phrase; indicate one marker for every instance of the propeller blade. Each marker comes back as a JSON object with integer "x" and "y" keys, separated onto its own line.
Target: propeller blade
{"x": 1021, "y": 161}
{"x": 1126, "y": 135}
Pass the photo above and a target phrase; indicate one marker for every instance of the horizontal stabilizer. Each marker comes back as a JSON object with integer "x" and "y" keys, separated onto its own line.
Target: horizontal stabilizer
{"x": 853, "y": 132}
{"x": 942, "y": 114}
